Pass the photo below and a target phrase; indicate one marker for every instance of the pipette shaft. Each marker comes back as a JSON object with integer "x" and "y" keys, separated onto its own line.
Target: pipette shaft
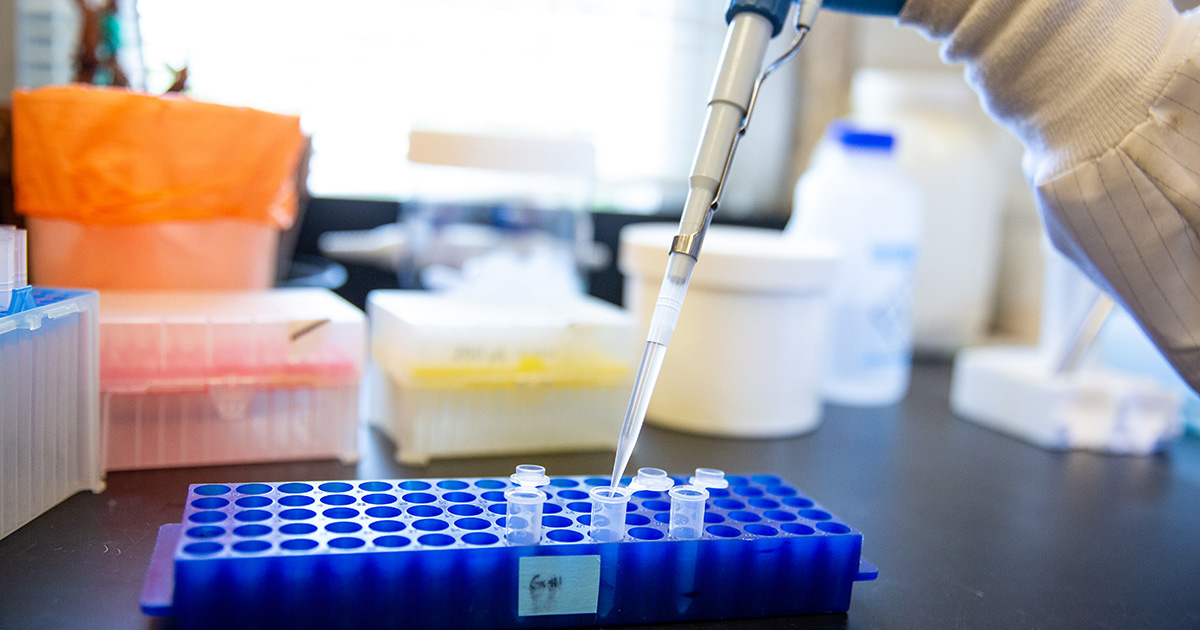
{"x": 752, "y": 24}
{"x": 745, "y": 46}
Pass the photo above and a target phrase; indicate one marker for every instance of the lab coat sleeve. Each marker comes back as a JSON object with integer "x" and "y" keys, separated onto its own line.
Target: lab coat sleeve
{"x": 1105, "y": 96}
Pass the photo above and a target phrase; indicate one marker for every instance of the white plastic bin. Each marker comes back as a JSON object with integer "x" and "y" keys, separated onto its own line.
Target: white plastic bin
{"x": 744, "y": 360}
{"x": 455, "y": 377}
{"x": 194, "y": 379}
{"x": 49, "y": 412}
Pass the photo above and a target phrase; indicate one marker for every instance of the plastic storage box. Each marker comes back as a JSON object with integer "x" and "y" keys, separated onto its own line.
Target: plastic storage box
{"x": 458, "y": 377}
{"x": 431, "y": 553}
{"x": 745, "y": 359}
{"x": 49, "y": 410}
{"x": 192, "y": 379}
{"x": 203, "y": 192}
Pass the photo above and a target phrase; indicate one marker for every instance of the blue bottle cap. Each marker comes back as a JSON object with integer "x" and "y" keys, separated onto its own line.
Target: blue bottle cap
{"x": 855, "y": 137}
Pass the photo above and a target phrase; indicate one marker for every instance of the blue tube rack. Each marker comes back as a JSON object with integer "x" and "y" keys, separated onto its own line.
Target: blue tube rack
{"x": 430, "y": 553}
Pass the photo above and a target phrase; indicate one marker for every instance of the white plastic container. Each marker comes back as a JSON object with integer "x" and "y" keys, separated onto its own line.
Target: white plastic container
{"x": 855, "y": 196}
{"x": 962, "y": 162}
{"x": 49, "y": 410}
{"x": 745, "y": 357}
{"x": 196, "y": 379}
{"x": 454, "y": 377}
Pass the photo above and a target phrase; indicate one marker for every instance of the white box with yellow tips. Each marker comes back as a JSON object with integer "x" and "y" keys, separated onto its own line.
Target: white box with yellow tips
{"x": 457, "y": 377}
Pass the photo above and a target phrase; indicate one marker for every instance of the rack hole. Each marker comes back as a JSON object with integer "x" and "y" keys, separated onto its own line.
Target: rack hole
{"x": 296, "y": 514}
{"x": 637, "y": 519}
{"x": 723, "y": 531}
{"x": 564, "y": 535}
{"x": 833, "y": 528}
{"x": 556, "y": 521}
{"x": 250, "y": 531}
{"x": 419, "y": 497}
{"x": 203, "y": 548}
{"x": 645, "y": 533}
{"x": 798, "y": 529}
{"x": 251, "y": 546}
{"x": 206, "y": 531}
{"x": 436, "y": 540}
{"x": 759, "y": 529}
{"x": 480, "y": 538}
{"x": 298, "y": 529}
{"x": 430, "y": 524}
{"x": 252, "y": 516}
{"x": 207, "y": 517}
{"x": 465, "y": 510}
{"x": 343, "y": 527}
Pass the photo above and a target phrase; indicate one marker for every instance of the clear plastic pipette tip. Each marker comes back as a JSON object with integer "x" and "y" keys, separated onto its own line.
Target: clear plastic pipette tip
{"x": 635, "y": 415}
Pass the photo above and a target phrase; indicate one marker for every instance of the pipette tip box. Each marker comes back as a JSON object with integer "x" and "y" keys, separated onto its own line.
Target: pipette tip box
{"x": 49, "y": 408}
{"x": 431, "y": 553}
{"x": 456, "y": 377}
{"x": 206, "y": 378}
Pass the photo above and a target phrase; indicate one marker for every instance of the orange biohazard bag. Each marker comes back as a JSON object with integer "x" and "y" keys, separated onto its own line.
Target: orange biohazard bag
{"x": 123, "y": 190}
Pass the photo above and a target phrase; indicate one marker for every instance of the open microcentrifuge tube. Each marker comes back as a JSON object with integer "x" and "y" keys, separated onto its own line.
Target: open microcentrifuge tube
{"x": 687, "y": 512}
{"x": 523, "y": 519}
{"x": 529, "y": 476}
{"x": 651, "y": 479}
{"x": 608, "y": 513}
{"x": 709, "y": 478}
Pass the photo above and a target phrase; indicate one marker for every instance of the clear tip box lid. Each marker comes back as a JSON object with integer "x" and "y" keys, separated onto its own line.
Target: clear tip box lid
{"x": 184, "y": 341}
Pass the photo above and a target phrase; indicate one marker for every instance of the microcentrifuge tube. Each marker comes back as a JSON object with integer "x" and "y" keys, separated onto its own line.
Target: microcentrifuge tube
{"x": 523, "y": 520}
{"x": 529, "y": 476}
{"x": 709, "y": 478}
{"x": 687, "y": 512}
{"x": 651, "y": 479}
{"x": 608, "y": 513}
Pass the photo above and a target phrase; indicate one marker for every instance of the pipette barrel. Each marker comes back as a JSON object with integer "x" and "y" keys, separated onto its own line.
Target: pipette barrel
{"x": 608, "y": 513}
{"x": 523, "y": 521}
{"x": 687, "y": 512}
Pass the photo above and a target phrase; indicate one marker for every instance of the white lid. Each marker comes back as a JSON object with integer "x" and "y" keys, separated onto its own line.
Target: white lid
{"x": 733, "y": 258}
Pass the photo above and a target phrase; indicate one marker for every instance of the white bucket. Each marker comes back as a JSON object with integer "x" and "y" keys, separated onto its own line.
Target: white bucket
{"x": 746, "y": 355}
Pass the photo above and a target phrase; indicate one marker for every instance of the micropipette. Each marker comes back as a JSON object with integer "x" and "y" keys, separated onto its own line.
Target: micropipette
{"x": 752, "y": 24}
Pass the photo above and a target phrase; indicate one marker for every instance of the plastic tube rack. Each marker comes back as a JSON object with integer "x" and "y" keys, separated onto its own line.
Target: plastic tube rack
{"x": 430, "y": 553}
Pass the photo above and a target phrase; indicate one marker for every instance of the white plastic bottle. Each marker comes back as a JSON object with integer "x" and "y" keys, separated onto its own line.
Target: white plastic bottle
{"x": 854, "y": 194}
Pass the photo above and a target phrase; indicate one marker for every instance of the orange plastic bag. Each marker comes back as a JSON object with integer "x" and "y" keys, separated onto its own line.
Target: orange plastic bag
{"x": 103, "y": 156}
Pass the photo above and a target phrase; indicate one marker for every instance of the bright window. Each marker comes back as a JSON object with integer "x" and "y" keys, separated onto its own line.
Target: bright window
{"x": 630, "y": 76}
